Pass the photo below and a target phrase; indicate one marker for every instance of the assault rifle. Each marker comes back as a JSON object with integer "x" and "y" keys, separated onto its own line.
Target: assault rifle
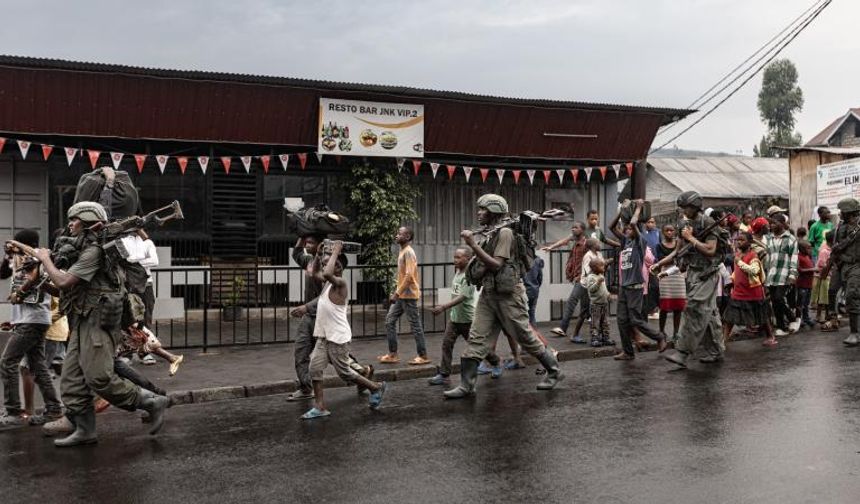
{"x": 838, "y": 250}
{"x": 134, "y": 223}
{"x": 679, "y": 253}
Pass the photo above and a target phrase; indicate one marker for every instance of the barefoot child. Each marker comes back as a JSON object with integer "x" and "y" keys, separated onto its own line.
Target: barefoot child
{"x": 748, "y": 306}
{"x": 333, "y": 334}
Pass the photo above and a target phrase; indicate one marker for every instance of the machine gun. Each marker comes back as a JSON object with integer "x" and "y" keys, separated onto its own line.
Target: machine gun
{"x": 131, "y": 224}
{"x": 680, "y": 253}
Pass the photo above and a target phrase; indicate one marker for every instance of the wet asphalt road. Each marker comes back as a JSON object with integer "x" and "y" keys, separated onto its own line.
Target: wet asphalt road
{"x": 779, "y": 426}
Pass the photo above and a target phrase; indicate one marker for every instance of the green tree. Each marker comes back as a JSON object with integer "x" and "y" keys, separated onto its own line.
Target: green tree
{"x": 381, "y": 199}
{"x": 779, "y": 100}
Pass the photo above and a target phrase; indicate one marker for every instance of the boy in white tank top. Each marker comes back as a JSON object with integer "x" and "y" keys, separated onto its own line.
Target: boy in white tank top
{"x": 333, "y": 334}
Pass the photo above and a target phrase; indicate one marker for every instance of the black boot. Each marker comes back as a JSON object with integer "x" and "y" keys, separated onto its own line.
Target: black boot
{"x": 155, "y": 405}
{"x": 553, "y": 372}
{"x": 85, "y": 430}
{"x": 468, "y": 377}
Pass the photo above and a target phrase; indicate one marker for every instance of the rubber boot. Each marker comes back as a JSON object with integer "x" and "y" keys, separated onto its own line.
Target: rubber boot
{"x": 468, "y": 378}
{"x": 553, "y": 372}
{"x": 852, "y": 340}
{"x": 155, "y": 405}
{"x": 85, "y": 430}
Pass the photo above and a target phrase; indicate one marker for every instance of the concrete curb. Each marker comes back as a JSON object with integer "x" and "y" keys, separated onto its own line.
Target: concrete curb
{"x": 390, "y": 374}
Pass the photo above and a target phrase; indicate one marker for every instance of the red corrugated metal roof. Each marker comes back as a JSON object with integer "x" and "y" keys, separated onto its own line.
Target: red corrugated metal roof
{"x": 87, "y": 99}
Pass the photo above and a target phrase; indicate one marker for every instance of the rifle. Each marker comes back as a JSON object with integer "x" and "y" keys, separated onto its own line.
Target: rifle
{"x": 837, "y": 250}
{"x": 134, "y": 223}
{"x": 688, "y": 247}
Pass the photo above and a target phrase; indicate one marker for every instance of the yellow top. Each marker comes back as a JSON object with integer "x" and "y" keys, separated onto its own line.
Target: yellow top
{"x": 408, "y": 283}
{"x": 59, "y": 330}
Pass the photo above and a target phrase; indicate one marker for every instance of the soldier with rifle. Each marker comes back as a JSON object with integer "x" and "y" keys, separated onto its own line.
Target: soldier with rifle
{"x": 498, "y": 265}
{"x": 845, "y": 255}
{"x": 94, "y": 300}
{"x": 700, "y": 257}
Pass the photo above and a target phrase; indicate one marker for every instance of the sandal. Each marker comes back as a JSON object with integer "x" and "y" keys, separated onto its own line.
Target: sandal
{"x": 174, "y": 366}
{"x": 388, "y": 359}
{"x": 556, "y": 331}
{"x": 769, "y": 343}
{"x": 513, "y": 364}
{"x": 300, "y": 395}
{"x": 315, "y": 413}
{"x": 419, "y": 361}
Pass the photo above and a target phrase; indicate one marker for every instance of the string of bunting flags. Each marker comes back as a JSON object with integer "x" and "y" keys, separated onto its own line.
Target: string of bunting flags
{"x": 265, "y": 160}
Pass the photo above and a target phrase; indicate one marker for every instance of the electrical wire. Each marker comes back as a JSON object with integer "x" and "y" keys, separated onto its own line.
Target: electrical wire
{"x": 778, "y": 50}
{"x": 696, "y": 103}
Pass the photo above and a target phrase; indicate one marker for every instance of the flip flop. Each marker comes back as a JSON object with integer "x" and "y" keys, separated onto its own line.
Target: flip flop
{"x": 315, "y": 413}
{"x": 174, "y": 366}
{"x": 387, "y": 359}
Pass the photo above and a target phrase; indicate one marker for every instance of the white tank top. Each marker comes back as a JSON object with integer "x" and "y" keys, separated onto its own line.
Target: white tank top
{"x": 332, "y": 322}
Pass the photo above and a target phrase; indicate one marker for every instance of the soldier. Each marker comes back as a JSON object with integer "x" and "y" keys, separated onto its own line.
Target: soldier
{"x": 91, "y": 298}
{"x": 701, "y": 317}
{"x": 498, "y": 265}
{"x": 846, "y": 254}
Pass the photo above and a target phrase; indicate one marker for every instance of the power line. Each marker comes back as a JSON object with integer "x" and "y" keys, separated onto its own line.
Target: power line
{"x": 778, "y": 50}
{"x": 696, "y": 104}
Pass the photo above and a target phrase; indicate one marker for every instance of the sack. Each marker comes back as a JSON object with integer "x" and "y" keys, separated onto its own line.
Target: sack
{"x": 644, "y": 214}
{"x": 319, "y": 220}
{"x": 125, "y": 201}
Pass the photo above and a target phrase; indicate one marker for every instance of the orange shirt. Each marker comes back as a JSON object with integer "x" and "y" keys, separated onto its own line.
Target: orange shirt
{"x": 408, "y": 283}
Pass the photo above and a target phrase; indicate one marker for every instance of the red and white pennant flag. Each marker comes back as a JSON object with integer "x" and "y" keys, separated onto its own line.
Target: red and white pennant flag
{"x": 203, "y": 161}
{"x": 24, "y": 145}
{"x": 303, "y": 159}
{"x": 617, "y": 169}
{"x": 70, "y": 154}
{"x": 285, "y": 160}
{"x": 416, "y": 165}
{"x": 183, "y": 163}
{"x": 46, "y": 151}
{"x": 575, "y": 173}
{"x": 2, "y": 143}
{"x": 94, "y": 157}
{"x": 162, "y": 162}
{"x": 116, "y": 157}
{"x": 434, "y": 167}
{"x": 588, "y": 173}
{"x": 139, "y": 159}
{"x": 225, "y": 162}
{"x": 451, "y": 169}
{"x": 484, "y": 173}
{"x": 531, "y": 174}
{"x": 560, "y": 174}
{"x": 246, "y": 162}
{"x": 517, "y": 174}
{"x": 400, "y": 162}
{"x": 468, "y": 171}
{"x": 265, "y": 160}
{"x": 501, "y": 174}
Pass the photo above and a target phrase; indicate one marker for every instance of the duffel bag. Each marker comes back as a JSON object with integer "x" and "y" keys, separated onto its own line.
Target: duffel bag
{"x": 125, "y": 201}
{"x": 319, "y": 220}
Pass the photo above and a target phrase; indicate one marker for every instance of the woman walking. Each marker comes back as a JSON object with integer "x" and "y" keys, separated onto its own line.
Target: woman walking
{"x": 673, "y": 291}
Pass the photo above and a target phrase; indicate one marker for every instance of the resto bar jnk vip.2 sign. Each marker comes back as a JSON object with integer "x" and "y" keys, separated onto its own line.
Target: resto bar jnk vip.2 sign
{"x": 360, "y": 128}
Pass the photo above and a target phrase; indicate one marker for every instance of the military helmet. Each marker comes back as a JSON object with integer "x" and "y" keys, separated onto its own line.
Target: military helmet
{"x": 689, "y": 198}
{"x": 494, "y": 203}
{"x": 88, "y": 211}
{"x": 848, "y": 205}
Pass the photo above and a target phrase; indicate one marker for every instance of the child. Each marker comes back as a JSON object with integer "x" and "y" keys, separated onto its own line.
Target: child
{"x": 747, "y": 306}
{"x": 820, "y": 286}
{"x": 673, "y": 289}
{"x": 462, "y": 306}
{"x": 333, "y": 334}
{"x": 598, "y": 295}
{"x": 630, "y": 297}
{"x": 806, "y": 270}
{"x": 533, "y": 280}
{"x": 142, "y": 341}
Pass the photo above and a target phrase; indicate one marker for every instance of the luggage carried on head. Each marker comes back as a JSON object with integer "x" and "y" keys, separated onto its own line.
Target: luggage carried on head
{"x": 319, "y": 220}
{"x": 125, "y": 201}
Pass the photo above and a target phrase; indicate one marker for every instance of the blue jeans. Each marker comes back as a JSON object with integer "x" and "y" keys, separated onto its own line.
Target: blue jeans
{"x": 578, "y": 295}
{"x": 410, "y": 307}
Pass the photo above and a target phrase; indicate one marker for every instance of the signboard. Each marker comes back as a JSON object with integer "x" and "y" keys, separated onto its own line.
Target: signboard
{"x": 836, "y": 181}
{"x": 360, "y": 128}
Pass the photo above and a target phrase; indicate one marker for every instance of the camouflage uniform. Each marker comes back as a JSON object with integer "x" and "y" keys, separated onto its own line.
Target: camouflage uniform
{"x": 849, "y": 266}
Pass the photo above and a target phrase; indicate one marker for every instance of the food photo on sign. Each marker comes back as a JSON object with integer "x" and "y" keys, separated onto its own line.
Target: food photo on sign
{"x": 358, "y": 128}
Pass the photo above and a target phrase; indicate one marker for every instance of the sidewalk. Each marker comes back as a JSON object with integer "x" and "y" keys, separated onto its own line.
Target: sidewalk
{"x": 267, "y": 369}
{"x": 257, "y": 370}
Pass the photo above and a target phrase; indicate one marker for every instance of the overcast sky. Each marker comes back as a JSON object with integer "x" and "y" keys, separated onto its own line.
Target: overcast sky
{"x": 637, "y": 52}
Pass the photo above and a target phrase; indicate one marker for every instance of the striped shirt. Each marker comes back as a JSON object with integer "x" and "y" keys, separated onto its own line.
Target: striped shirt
{"x": 781, "y": 259}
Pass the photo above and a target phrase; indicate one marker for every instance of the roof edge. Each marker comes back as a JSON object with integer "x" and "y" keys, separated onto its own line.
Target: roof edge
{"x": 669, "y": 114}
